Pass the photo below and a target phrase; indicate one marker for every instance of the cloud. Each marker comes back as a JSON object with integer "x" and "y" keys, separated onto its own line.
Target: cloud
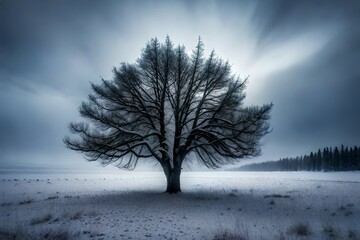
{"x": 301, "y": 55}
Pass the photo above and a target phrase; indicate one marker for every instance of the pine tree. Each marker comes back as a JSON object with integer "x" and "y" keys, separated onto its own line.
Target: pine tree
{"x": 336, "y": 159}
{"x": 325, "y": 160}
{"x": 331, "y": 160}
{"x": 318, "y": 161}
{"x": 346, "y": 159}
{"x": 312, "y": 162}
{"x": 342, "y": 159}
{"x": 351, "y": 159}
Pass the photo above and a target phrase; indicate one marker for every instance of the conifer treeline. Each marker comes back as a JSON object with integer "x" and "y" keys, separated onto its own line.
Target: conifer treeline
{"x": 328, "y": 159}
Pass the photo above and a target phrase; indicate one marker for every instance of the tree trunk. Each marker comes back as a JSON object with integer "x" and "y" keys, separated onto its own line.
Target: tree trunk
{"x": 172, "y": 173}
{"x": 173, "y": 181}
{"x": 172, "y": 178}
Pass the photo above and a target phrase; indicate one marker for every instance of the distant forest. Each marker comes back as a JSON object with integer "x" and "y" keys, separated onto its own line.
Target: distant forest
{"x": 328, "y": 159}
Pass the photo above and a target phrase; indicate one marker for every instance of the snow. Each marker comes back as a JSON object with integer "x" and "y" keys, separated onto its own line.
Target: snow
{"x": 132, "y": 205}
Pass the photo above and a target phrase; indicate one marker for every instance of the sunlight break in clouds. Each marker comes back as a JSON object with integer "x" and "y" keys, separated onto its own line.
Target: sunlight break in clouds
{"x": 291, "y": 52}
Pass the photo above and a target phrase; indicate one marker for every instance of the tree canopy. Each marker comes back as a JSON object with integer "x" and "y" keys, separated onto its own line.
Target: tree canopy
{"x": 165, "y": 106}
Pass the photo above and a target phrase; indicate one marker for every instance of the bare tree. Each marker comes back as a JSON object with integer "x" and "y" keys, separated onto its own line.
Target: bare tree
{"x": 165, "y": 106}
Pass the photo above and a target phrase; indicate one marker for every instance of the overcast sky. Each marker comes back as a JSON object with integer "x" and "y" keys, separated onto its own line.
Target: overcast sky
{"x": 301, "y": 55}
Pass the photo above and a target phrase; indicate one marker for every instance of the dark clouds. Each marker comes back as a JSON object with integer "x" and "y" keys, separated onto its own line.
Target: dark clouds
{"x": 317, "y": 101}
{"x": 302, "y": 55}
{"x": 43, "y": 40}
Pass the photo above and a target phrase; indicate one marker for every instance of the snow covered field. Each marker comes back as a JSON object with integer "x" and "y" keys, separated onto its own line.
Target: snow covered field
{"x": 254, "y": 205}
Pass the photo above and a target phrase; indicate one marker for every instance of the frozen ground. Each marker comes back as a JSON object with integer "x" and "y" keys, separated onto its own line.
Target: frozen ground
{"x": 276, "y": 205}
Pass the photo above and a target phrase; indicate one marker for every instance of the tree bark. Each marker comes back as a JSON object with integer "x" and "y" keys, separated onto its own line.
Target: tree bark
{"x": 172, "y": 178}
{"x": 173, "y": 181}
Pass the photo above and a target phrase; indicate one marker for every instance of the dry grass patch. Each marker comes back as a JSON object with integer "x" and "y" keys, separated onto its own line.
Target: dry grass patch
{"x": 41, "y": 220}
{"x": 330, "y": 231}
{"x": 56, "y": 235}
{"x": 276, "y": 196}
{"x": 14, "y": 234}
{"x": 6, "y": 204}
{"x": 351, "y": 234}
{"x": 76, "y": 216}
{"x": 52, "y": 197}
{"x": 299, "y": 229}
{"x": 225, "y": 235}
{"x": 27, "y": 201}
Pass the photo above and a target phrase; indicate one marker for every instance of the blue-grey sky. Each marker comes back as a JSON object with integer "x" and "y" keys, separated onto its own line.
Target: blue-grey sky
{"x": 301, "y": 55}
